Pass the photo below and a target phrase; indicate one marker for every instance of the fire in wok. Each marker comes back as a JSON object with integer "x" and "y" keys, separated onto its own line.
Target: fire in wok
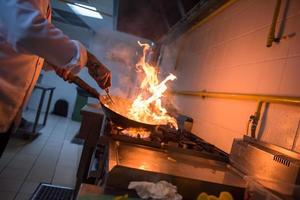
{"x": 146, "y": 110}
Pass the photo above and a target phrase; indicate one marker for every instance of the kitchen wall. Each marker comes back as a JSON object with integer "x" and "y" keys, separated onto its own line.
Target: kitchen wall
{"x": 229, "y": 54}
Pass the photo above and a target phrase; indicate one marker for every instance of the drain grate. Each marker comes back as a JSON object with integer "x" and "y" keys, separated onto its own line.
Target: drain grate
{"x": 52, "y": 192}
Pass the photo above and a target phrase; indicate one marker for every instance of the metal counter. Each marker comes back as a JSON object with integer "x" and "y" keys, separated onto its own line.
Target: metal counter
{"x": 191, "y": 174}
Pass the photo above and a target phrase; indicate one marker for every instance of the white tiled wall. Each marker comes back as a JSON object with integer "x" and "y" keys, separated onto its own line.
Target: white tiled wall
{"x": 229, "y": 54}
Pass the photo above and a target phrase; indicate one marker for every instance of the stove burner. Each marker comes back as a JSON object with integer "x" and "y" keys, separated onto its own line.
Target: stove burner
{"x": 170, "y": 139}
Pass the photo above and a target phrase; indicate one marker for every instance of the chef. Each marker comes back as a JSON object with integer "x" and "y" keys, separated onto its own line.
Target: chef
{"x": 27, "y": 38}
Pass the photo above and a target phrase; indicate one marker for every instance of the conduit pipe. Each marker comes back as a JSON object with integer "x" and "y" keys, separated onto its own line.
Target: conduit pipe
{"x": 254, "y": 97}
{"x": 254, "y": 119}
{"x": 271, "y": 36}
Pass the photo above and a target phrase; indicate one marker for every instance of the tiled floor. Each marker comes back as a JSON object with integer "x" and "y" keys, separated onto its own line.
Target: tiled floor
{"x": 50, "y": 158}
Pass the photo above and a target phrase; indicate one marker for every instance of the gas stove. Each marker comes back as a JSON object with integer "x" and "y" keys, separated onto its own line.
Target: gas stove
{"x": 169, "y": 139}
{"x": 189, "y": 162}
{"x": 192, "y": 164}
{"x": 176, "y": 156}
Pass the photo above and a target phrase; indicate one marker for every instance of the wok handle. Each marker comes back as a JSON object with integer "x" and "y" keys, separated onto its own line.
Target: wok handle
{"x": 82, "y": 84}
{"x": 71, "y": 78}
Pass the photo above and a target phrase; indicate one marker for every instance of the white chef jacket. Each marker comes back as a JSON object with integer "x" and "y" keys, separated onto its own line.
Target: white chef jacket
{"x": 27, "y": 38}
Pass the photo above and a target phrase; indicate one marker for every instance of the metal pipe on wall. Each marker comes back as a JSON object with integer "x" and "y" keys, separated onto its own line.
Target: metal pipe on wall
{"x": 271, "y": 36}
{"x": 256, "y": 119}
{"x": 254, "y": 97}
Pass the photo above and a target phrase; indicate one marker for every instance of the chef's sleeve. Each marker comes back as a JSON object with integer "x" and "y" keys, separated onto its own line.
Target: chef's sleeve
{"x": 27, "y": 29}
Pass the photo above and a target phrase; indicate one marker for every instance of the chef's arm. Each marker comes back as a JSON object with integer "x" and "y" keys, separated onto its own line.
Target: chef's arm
{"x": 96, "y": 69}
{"x": 29, "y": 32}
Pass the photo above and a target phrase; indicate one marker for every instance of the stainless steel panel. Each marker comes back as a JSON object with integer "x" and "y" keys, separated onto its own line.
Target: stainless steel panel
{"x": 129, "y": 162}
{"x": 155, "y": 160}
{"x": 262, "y": 162}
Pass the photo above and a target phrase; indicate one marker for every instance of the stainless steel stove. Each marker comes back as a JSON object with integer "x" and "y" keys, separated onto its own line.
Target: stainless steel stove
{"x": 179, "y": 157}
{"x": 276, "y": 168}
{"x": 252, "y": 170}
{"x": 172, "y": 140}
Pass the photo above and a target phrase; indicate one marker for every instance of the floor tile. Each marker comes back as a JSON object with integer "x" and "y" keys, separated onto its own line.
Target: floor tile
{"x": 41, "y": 175}
{"x": 7, "y": 195}
{"x": 13, "y": 149}
{"x": 65, "y": 177}
{"x": 51, "y": 157}
{"x": 22, "y": 161}
{"x": 53, "y": 143}
{"x": 29, "y": 187}
{"x": 44, "y": 165}
{"x": 7, "y": 155}
{"x": 67, "y": 162}
{"x": 23, "y": 196}
{"x": 14, "y": 174}
{"x": 3, "y": 163}
{"x": 32, "y": 149}
{"x": 15, "y": 143}
{"x": 8, "y": 185}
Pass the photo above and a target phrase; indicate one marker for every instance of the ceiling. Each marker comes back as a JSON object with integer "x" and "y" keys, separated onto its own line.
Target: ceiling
{"x": 62, "y": 13}
{"x": 155, "y": 20}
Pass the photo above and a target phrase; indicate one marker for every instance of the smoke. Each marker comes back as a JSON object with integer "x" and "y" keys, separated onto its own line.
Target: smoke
{"x": 123, "y": 58}
{"x": 171, "y": 63}
{"x": 123, "y": 54}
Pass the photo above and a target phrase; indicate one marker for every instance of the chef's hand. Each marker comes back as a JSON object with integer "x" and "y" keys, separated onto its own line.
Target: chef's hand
{"x": 63, "y": 73}
{"x": 98, "y": 71}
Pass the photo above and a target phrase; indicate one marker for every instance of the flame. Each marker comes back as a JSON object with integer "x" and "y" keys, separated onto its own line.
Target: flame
{"x": 137, "y": 132}
{"x": 147, "y": 107}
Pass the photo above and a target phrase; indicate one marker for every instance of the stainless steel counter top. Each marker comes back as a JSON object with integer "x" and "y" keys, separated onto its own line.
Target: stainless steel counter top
{"x": 129, "y": 162}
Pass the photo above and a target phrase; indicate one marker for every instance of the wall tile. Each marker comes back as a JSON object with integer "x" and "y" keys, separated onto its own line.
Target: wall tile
{"x": 229, "y": 114}
{"x": 236, "y": 52}
{"x": 220, "y": 31}
{"x": 242, "y": 23}
{"x": 252, "y": 48}
{"x": 292, "y": 27}
{"x": 293, "y": 7}
{"x": 282, "y": 124}
{"x": 209, "y": 81}
{"x": 200, "y": 38}
{"x": 216, "y": 135}
{"x": 188, "y": 76}
{"x": 270, "y": 76}
{"x": 215, "y": 56}
{"x": 235, "y": 59}
{"x": 242, "y": 79}
{"x": 290, "y": 84}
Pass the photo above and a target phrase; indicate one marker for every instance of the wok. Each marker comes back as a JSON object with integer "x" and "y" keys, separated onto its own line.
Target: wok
{"x": 117, "y": 113}
{"x": 115, "y": 109}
